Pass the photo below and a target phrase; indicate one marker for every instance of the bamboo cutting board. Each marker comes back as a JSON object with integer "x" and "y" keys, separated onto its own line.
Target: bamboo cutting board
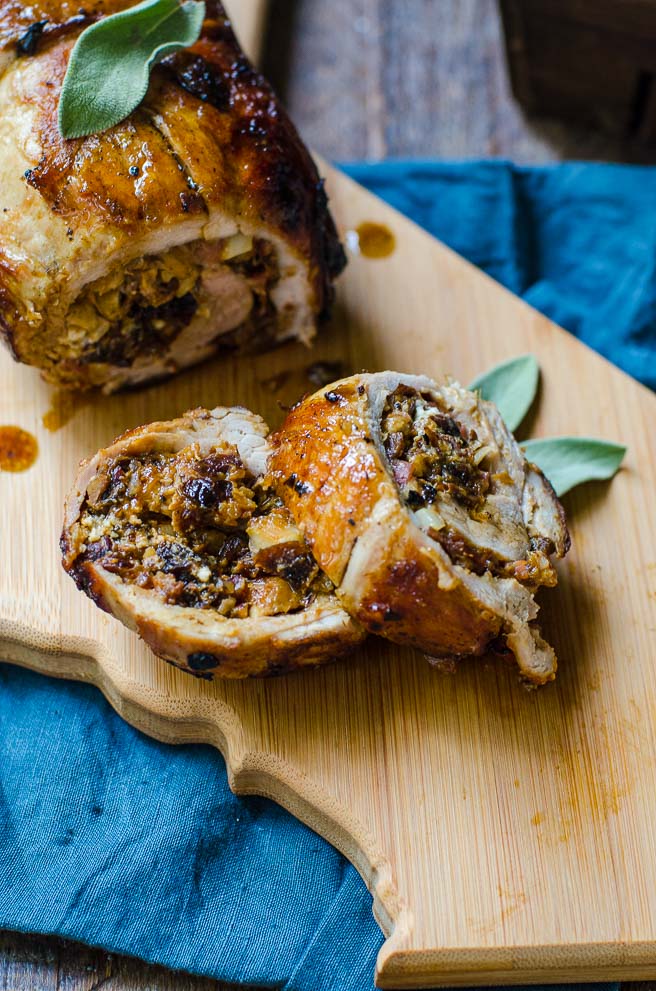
{"x": 506, "y": 836}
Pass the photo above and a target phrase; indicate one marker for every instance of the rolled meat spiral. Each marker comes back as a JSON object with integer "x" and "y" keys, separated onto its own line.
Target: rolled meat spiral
{"x": 197, "y": 225}
{"x": 421, "y": 508}
{"x": 173, "y": 530}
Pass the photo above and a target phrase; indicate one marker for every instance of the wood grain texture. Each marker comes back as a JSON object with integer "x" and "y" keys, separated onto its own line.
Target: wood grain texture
{"x": 41, "y": 963}
{"x": 506, "y": 836}
{"x": 45, "y": 963}
{"x": 423, "y": 78}
{"x": 339, "y": 80}
{"x": 590, "y": 62}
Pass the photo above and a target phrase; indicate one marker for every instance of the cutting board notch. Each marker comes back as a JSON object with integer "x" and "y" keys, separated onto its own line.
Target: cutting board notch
{"x": 507, "y": 836}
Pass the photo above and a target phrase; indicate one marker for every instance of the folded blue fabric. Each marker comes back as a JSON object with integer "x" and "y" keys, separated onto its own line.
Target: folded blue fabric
{"x": 114, "y": 839}
{"x": 576, "y": 241}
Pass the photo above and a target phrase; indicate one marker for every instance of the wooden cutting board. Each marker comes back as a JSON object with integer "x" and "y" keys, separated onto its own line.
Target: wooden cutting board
{"x": 506, "y": 836}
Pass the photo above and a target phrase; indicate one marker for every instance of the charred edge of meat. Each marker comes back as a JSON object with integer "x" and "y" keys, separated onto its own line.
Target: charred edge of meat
{"x": 86, "y": 583}
{"x": 201, "y": 660}
{"x": 197, "y": 77}
{"x": 7, "y": 334}
{"x": 265, "y": 127}
{"x": 201, "y": 675}
{"x": 562, "y": 516}
{"x": 332, "y": 248}
{"x": 35, "y": 36}
{"x": 28, "y": 43}
{"x": 186, "y": 527}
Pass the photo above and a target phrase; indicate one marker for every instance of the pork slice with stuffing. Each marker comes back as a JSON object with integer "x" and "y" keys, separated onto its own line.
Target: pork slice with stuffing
{"x": 422, "y": 510}
{"x": 196, "y": 226}
{"x": 174, "y": 531}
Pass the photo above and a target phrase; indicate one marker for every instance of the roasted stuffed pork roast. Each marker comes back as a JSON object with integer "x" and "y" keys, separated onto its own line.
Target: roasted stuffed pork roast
{"x": 422, "y": 510}
{"x": 198, "y": 225}
{"x": 174, "y": 531}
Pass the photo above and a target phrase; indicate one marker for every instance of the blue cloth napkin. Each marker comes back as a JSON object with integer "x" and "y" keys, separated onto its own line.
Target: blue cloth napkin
{"x": 114, "y": 839}
{"x": 576, "y": 241}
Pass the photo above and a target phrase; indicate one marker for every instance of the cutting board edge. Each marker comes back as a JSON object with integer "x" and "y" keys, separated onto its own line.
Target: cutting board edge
{"x": 252, "y": 772}
{"x": 212, "y": 721}
{"x": 330, "y": 169}
{"x": 398, "y": 966}
{"x": 502, "y": 966}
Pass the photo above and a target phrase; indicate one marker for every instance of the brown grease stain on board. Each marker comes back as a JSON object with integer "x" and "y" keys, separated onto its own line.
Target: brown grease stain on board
{"x": 64, "y": 406}
{"x": 18, "y": 449}
{"x": 372, "y": 240}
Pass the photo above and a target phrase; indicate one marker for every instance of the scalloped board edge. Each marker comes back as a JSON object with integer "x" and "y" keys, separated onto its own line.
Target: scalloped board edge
{"x": 506, "y": 837}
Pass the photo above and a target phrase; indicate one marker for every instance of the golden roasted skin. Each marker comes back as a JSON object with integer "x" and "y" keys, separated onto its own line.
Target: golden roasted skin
{"x": 449, "y": 589}
{"x": 170, "y": 530}
{"x": 327, "y": 469}
{"x": 209, "y": 152}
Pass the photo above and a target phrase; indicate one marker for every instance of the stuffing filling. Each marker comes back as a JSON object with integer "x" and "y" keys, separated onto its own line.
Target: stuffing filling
{"x": 139, "y": 309}
{"x": 199, "y": 531}
{"x": 458, "y": 492}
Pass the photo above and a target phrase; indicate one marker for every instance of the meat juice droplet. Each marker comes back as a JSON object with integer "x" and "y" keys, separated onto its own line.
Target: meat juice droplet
{"x": 64, "y": 406}
{"x": 18, "y": 449}
{"x": 371, "y": 240}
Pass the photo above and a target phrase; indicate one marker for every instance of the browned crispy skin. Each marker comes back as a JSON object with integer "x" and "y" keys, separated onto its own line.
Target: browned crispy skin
{"x": 199, "y": 639}
{"x": 400, "y": 580}
{"x": 239, "y": 144}
{"x": 210, "y": 134}
{"x": 326, "y": 469}
{"x": 338, "y": 478}
{"x": 294, "y": 643}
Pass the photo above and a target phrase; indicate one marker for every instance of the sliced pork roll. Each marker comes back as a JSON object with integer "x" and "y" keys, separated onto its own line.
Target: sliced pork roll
{"x": 422, "y": 510}
{"x": 198, "y": 225}
{"x": 173, "y": 530}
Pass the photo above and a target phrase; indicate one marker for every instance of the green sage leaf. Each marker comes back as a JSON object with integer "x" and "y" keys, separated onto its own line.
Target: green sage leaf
{"x": 570, "y": 461}
{"x": 109, "y": 67}
{"x": 511, "y": 386}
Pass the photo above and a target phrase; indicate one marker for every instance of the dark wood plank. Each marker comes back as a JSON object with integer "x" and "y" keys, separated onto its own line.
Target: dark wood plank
{"x": 39, "y": 963}
{"x": 584, "y": 61}
{"x": 423, "y": 78}
{"x": 363, "y": 79}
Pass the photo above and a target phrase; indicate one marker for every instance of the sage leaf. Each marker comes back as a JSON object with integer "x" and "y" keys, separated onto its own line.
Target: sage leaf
{"x": 109, "y": 67}
{"x": 570, "y": 461}
{"x": 511, "y": 386}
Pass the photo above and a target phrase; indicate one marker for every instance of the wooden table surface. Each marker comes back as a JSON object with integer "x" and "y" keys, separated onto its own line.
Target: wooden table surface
{"x": 362, "y": 79}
